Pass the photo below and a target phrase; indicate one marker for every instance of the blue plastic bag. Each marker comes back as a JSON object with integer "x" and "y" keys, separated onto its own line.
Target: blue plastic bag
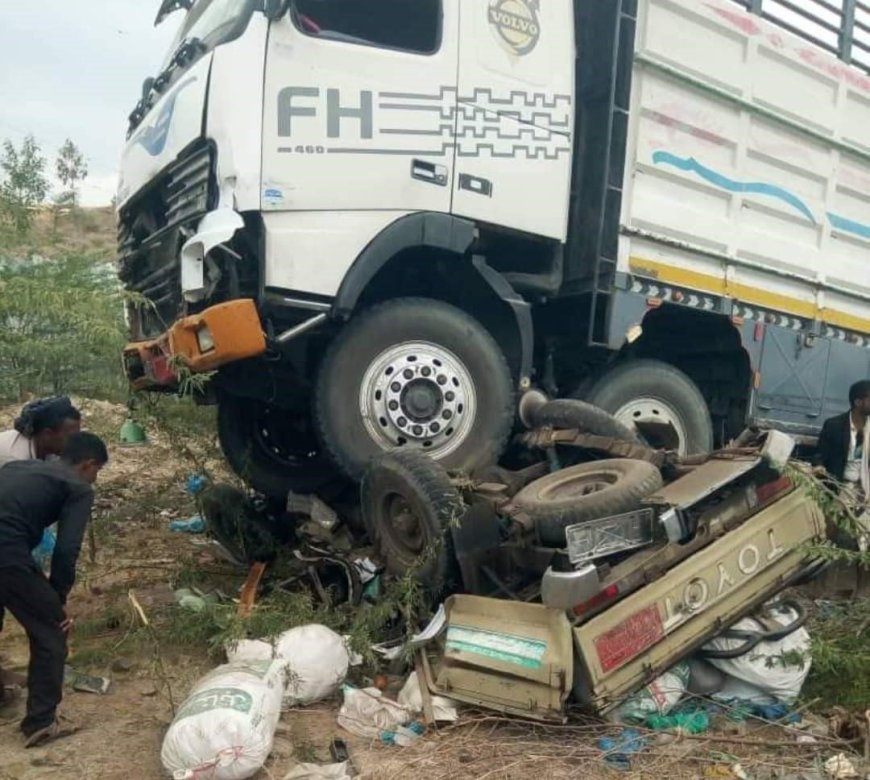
{"x": 43, "y": 552}
{"x": 618, "y": 750}
{"x": 195, "y": 525}
{"x": 196, "y": 483}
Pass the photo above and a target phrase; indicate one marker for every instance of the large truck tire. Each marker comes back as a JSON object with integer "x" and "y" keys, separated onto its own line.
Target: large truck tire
{"x": 408, "y": 506}
{"x": 566, "y": 413}
{"x": 650, "y": 391}
{"x": 273, "y": 450}
{"x": 588, "y": 491}
{"x": 418, "y": 374}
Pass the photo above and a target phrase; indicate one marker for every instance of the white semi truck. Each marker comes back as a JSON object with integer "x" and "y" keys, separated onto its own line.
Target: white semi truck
{"x": 380, "y": 223}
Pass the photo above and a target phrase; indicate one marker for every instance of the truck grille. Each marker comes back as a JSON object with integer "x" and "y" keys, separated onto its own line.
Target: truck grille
{"x": 185, "y": 190}
{"x": 151, "y": 230}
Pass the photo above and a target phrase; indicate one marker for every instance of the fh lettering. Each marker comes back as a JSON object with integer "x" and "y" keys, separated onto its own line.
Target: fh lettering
{"x": 343, "y": 118}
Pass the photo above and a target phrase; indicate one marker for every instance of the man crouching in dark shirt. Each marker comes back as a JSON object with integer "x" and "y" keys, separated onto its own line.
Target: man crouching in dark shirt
{"x": 35, "y": 494}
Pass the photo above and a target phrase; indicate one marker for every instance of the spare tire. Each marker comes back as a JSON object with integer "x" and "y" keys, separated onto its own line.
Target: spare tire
{"x": 408, "y": 505}
{"x": 570, "y": 413}
{"x": 585, "y": 492}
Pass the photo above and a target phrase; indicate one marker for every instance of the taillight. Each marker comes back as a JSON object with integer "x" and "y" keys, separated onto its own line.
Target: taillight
{"x": 610, "y": 592}
{"x": 765, "y": 493}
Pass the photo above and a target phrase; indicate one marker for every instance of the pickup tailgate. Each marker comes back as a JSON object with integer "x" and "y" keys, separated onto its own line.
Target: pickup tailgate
{"x": 653, "y": 628}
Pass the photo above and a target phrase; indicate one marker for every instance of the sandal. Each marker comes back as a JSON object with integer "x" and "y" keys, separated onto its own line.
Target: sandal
{"x": 56, "y": 730}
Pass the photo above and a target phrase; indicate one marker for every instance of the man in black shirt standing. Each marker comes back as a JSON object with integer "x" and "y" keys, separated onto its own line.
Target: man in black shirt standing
{"x": 34, "y": 495}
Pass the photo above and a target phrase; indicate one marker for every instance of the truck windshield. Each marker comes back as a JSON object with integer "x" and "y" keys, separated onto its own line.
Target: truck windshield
{"x": 213, "y": 22}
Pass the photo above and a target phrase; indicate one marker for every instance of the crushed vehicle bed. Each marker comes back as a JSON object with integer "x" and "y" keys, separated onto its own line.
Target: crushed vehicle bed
{"x": 738, "y": 534}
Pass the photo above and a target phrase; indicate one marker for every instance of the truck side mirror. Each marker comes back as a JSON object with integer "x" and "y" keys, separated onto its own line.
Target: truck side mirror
{"x": 275, "y": 9}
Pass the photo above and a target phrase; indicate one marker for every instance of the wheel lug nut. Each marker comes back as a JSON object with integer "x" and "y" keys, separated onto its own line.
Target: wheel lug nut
{"x": 418, "y": 430}
{"x": 426, "y": 371}
{"x": 395, "y": 387}
{"x": 401, "y": 422}
{"x": 442, "y": 380}
{"x": 394, "y": 406}
{"x": 408, "y": 374}
{"x": 434, "y": 427}
{"x": 447, "y": 414}
{"x": 450, "y": 395}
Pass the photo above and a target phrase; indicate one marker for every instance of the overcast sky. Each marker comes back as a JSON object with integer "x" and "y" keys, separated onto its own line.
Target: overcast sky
{"x": 74, "y": 69}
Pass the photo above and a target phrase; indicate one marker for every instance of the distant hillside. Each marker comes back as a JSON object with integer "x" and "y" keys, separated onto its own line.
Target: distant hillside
{"x": 80, "y": 232}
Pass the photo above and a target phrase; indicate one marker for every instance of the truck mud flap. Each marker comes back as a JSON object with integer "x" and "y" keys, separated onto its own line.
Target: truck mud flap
{"x": 507, "y": 656}
{"x": 647, "y": 632}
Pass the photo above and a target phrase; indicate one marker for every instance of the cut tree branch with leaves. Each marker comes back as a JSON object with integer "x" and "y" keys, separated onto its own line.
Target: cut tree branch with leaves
{"x": 839, "y": 511}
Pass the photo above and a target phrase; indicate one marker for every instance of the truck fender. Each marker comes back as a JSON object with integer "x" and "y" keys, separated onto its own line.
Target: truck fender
{"x": 437, "y": 231}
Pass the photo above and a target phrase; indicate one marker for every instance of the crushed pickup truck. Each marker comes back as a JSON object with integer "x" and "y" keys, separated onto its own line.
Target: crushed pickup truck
{"x": 589, "y": 580}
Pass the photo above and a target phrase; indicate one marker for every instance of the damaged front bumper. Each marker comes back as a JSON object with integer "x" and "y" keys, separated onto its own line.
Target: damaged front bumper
{"x": 200, "y": 343}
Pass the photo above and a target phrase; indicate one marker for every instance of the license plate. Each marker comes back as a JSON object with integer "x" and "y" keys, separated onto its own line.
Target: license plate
{"x": 599, "y": 538}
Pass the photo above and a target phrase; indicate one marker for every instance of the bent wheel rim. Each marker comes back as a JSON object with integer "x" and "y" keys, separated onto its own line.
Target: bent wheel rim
{"x": 657, "y": 422}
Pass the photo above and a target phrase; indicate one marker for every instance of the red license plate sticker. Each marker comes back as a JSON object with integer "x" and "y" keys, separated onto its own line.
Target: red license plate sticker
{"x": 630, "y": 638}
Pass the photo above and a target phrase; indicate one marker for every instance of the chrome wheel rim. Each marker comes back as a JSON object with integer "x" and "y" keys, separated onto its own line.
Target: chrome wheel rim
{"x": 418, "y": 395}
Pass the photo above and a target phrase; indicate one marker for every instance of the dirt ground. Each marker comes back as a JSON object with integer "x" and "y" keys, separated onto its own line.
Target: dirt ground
{"x": 132, "y": 549}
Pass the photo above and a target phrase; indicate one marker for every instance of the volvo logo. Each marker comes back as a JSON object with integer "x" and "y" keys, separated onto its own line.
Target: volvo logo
{"x": 515, "y": 24}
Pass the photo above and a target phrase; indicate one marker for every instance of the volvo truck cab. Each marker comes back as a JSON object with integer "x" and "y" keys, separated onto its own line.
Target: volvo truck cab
{"x": 378, "y": 224}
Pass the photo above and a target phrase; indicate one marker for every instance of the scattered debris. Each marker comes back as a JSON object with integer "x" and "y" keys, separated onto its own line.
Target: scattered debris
{"x": 196, "y": 483}
{"x": 840, "y": 767}
{"x": 765, "y": 657}
{"x": 739, "y": 772}
{"x": 696, "y": 722}
{"x": 249, "y": 589}
{"x": 44, "y": 551}
{"x": 411, "y": 698}
{"x": 618, "y": 750}
{"x": 368, "y": 713}
{"x": 314, "y": 657}
{"x": 319, "y": 772}
{"x": 193, "y": 525}
{"x": 197, "y": 600}
{"x": 85, "y": 683}
{"x": 657, "y": 698}
{"x": 226, "y": 726}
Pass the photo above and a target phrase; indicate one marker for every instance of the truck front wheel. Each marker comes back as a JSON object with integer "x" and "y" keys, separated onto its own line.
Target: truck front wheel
{"x": 273, "y": 450}
{"x": 658, "y": 401}
{"x": 418, "y": 374}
